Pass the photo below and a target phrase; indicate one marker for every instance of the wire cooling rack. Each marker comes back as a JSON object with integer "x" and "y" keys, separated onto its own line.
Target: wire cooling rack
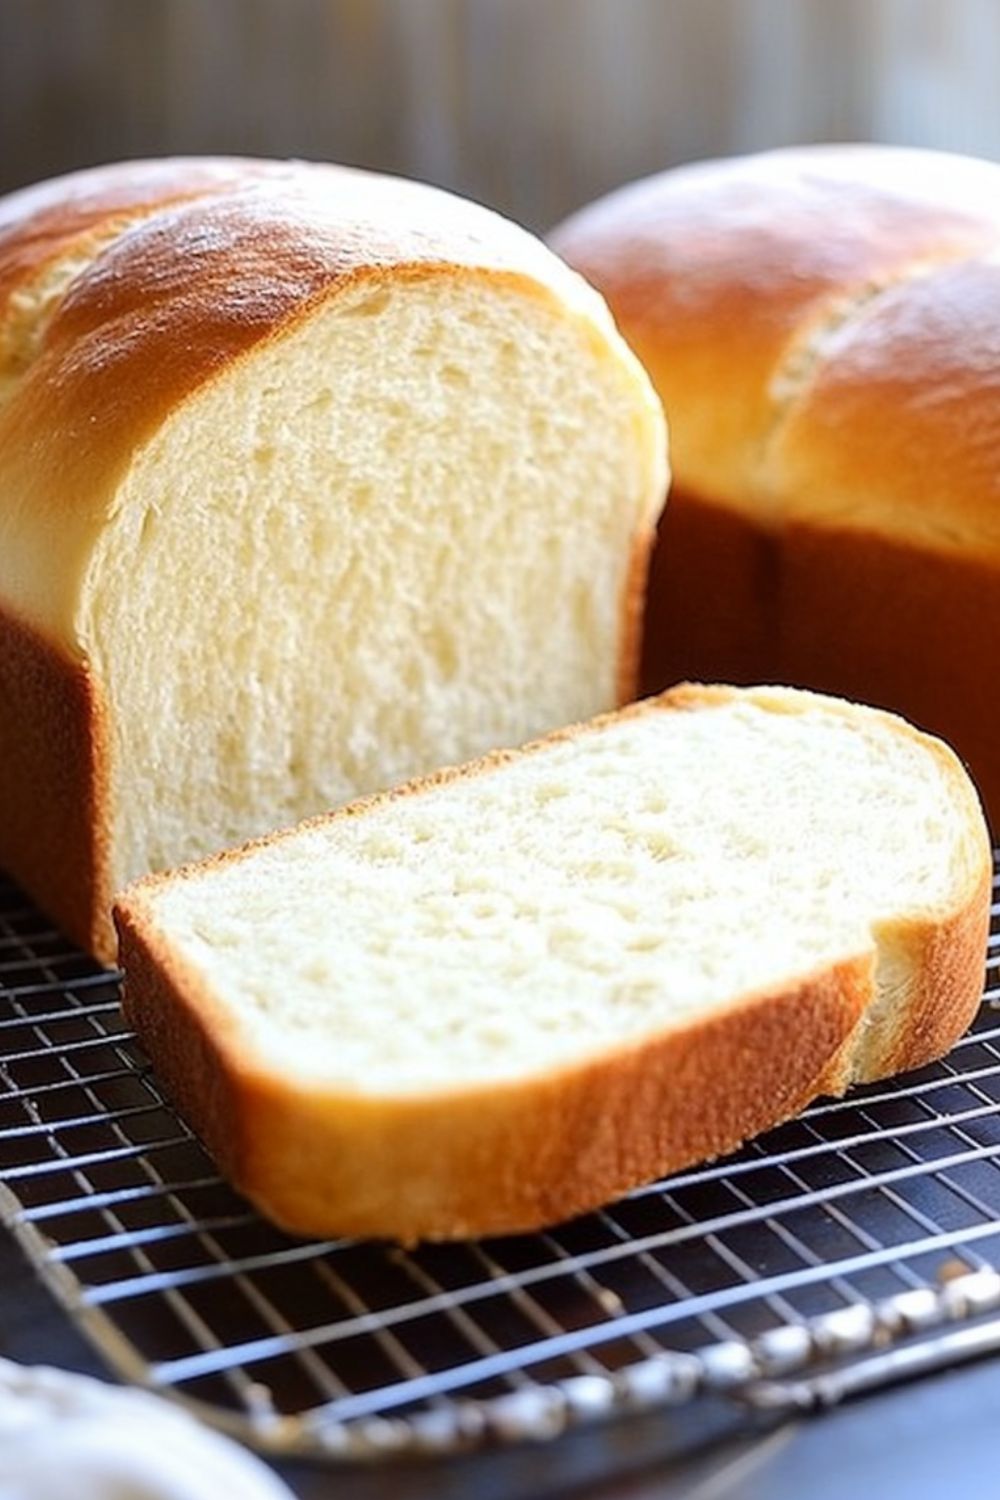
{"x": 868, "y": 1228}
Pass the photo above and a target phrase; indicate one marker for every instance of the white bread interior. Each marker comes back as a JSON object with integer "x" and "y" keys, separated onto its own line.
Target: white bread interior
{"x": 617, "y": 890}
{"x": 416, "y": 512}
{"x": 575, "y": 899}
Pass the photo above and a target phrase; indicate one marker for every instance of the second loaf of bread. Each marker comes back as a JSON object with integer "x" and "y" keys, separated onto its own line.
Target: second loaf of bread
{"x": 823, "y": 325}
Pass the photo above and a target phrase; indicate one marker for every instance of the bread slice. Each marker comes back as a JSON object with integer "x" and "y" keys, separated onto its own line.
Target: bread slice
{"x": 310, "y": 480}
{"x": 507, "y": 993}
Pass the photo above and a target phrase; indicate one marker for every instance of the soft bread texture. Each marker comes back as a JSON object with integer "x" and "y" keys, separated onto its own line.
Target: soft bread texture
{"x": 823, "y": 325}
{"x": 508, "y": 993}
{"x": 310, "y": 480}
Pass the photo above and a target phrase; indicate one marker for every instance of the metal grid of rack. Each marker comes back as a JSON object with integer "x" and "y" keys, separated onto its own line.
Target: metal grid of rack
{"x": 841, "y": 1230}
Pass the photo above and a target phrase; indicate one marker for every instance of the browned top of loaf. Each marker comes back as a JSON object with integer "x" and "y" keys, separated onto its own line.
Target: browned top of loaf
{"x": 42, "y": 223}
{"x": 755, "y": 285}
{"x": 900, "y": 423}
{"x": 124, "y": 289}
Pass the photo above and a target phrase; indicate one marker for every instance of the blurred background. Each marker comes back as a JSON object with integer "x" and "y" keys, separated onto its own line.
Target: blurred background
{"x": 533, "y": 106}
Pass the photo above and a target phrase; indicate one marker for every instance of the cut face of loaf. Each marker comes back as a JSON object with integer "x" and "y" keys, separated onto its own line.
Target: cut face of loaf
{"x": 507, "y": 994}
{"x": 823, "y": 325}
{"x": 310, "y": 481}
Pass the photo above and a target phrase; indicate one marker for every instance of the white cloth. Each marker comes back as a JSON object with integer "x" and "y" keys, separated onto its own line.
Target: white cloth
{"x": 67, "y": 1437}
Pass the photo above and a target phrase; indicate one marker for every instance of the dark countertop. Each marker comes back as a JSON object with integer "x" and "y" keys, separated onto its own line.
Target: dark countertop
{"x": 926, "y": 1439}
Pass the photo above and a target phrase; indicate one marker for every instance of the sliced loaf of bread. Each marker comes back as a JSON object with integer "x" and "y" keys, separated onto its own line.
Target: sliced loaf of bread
{"x": 311, "y": 480}
{"x": 507, "y": 993}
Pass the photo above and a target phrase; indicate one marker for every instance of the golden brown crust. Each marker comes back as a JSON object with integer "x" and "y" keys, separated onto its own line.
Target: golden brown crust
{"x": 711, "y": 606}
{"x": 895, "y": 622}
{"x": 41, "y": 223}
{"x": 897, "y": 430}
{"x": 521, "y": 1155}
{"x": 948, "y": 962}
{"x": 190, "y": 1043}
{"x": 718, "y": 271}
{"x": 53, "y": 785}
{"x": 489, "y": 1161}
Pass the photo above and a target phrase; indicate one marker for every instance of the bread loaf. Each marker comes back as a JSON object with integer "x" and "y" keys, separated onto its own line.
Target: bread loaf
{"x": 310, "y": 480}
{"x": 507, "y": 993}
{"x": 823, "y": 325}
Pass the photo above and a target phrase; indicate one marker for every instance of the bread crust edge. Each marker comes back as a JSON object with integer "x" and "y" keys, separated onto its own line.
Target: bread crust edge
{"x": 54, "y": 818}
{"x": 913, "y": 623}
